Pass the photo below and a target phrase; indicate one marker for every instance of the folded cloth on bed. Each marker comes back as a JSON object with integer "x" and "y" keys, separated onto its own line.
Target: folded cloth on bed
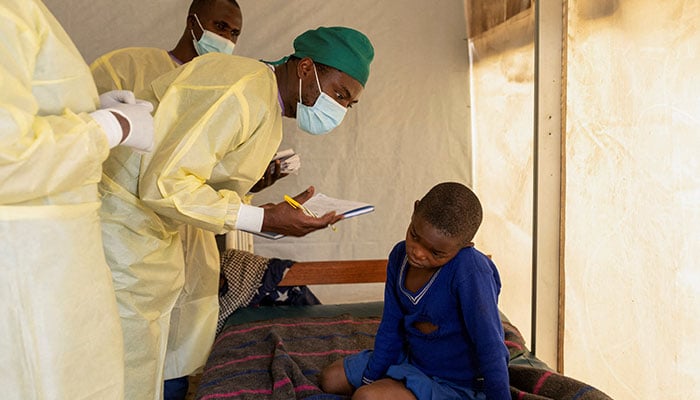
{"x": 250, "y": 280}
{"x": 271, "y": 294}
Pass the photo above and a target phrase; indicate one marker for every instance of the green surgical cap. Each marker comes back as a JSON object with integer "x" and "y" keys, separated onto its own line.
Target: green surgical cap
{"x": 342, "y": 48}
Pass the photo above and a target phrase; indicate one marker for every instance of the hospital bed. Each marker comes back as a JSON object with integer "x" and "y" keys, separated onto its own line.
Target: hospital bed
{"x": 278, "y": 352}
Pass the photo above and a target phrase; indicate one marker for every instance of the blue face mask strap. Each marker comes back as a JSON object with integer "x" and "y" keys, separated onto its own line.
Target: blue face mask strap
{"x": 196, "y": 18}
{"x": 317, "y": 81}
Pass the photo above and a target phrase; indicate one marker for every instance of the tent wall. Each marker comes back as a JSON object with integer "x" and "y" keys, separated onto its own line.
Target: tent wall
{"x": 633, "y": 197}
{"x": 632, "y": 188}
{"x": 97, "y": 27}
{"x": 502, "y": 98}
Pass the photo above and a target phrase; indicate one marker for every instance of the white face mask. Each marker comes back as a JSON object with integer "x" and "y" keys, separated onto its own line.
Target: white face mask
{"x": 210, "y": 42}
{"x": 323, "y": 116}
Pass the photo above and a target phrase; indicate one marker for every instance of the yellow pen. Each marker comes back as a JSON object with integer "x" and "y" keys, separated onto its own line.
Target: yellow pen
{"x": 300, "y": 206}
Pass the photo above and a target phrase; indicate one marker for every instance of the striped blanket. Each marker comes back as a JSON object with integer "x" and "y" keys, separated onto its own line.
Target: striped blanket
{"x": 280, "y": 359}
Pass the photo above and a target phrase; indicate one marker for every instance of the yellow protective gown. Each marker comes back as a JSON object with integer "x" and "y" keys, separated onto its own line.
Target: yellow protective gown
{"x": 196, "y": 312}
{"x": 194, "y": 316}
{"x": 217, "y": 125}
{"x": 131, "y": 68}
{"x": 60, "y": 336}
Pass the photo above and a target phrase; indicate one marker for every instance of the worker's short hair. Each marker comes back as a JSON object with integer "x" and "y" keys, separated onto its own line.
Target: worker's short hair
{"x": 198, "y": 5}
{"x": 453, "y": 209}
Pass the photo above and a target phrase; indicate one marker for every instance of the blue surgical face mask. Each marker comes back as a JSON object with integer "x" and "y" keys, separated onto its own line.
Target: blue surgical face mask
{"x": 323, "y": 116}
{"x": 210, "y": 42}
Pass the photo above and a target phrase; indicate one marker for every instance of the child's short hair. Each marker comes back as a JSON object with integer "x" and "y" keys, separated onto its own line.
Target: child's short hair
{"x": 453, "y": 209}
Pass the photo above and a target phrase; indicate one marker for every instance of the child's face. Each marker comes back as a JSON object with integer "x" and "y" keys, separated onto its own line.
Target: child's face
{"x": 427, "y": 247}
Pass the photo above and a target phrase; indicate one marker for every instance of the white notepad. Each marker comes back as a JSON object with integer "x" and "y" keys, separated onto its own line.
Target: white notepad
{"x": 321, "y": 204}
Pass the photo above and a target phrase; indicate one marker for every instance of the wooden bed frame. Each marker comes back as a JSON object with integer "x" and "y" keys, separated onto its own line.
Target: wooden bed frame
{"x": 335, "y": 272}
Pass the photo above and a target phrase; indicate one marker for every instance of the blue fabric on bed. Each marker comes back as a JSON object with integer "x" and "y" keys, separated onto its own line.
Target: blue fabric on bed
{"x": 270, "y": 294}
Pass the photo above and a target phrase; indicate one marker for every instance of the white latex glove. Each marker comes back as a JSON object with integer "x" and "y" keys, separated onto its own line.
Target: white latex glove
{"x": 140, "y": 136}
{"x": 114, "y": 97}
{"x": 137, "y": 114}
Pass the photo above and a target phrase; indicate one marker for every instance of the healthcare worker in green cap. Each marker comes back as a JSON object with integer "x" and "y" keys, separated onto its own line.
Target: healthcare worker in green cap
{"x": 217, "y": 126}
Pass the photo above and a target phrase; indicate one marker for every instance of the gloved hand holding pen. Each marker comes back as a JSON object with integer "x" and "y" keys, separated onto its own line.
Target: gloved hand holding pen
{"x": 126, "y": 120}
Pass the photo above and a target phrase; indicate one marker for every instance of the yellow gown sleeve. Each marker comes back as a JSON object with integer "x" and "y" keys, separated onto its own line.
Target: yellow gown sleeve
{"x": 48, "y": 142}
{"x": 218, "y": 125}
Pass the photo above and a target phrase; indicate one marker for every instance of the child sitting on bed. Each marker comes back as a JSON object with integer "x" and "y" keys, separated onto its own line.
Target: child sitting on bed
{"x": 441, "y": 335}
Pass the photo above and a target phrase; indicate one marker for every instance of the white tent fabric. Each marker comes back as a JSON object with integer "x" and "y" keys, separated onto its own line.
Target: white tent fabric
{"x": 632, "y": 194}
{"x": 633, "y": 198}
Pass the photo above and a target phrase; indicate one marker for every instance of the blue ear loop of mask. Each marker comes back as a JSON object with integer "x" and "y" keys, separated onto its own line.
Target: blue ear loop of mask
{"x": 323, "y": 116}
{"x": 210, "y": 42}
